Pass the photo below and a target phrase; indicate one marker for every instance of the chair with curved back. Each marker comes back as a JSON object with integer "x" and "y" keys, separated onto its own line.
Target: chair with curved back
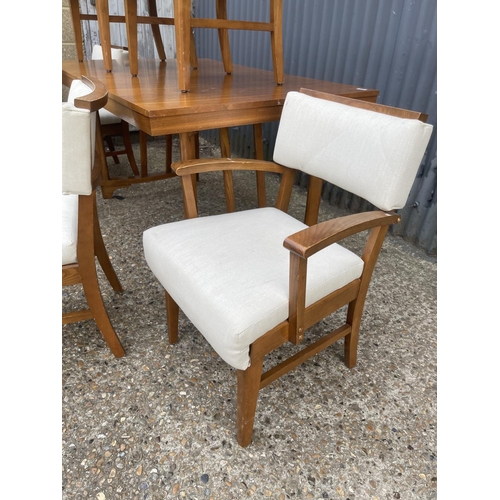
{"x": 112, "y": 125}
{"x": 82, "y": 157}
{"x": 252, "y": 280}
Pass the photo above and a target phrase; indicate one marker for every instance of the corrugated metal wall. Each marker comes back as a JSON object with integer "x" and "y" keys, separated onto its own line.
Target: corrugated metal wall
{"x": 389, "y": 45}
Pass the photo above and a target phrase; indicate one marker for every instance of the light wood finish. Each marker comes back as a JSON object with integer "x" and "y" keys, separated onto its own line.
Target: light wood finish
{"x": 301, "y": 245}
{"x": 90, "y": 243}
{"x": 152, "y": 103}
{"x": 103, "y": 19}
{"x": 121, "y": 129}
{"x": 184, "y": 24}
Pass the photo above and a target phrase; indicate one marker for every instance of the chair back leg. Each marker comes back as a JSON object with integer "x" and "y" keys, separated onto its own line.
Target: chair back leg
{"x": 277, "y": 40}
{"x": 355, "y": 309}
{"x": 77, "y": 28}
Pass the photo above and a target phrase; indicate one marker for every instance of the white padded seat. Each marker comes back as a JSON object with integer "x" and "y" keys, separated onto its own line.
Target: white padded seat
{"x": 232, "y": 302}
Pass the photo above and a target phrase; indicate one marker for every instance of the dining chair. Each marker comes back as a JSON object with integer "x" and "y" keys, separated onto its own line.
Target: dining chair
{"x": 184, "y": 24}
{"x": 252, "y": 280}
{"x": 103, "y": 19}
{"x": 112, "y": 125}
{"x": 82, "y": 158}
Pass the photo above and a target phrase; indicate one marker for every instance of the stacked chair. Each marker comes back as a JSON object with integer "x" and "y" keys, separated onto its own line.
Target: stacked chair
{"x": 184, "y": 24}
{"x": 112, "y": 125}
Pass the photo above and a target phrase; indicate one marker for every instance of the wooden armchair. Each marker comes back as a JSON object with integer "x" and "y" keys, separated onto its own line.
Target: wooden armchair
{"x": 82, "y": 158}
{"x": 253, "y": 280}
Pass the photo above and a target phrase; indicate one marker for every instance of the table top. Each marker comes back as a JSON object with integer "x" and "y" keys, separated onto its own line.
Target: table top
{"x": 152, "y": 102}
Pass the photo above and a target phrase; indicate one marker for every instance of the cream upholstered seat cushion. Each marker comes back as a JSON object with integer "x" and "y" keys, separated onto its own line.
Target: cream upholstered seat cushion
{"x": 69, "y": 228}
{"x": 229, "y": 273}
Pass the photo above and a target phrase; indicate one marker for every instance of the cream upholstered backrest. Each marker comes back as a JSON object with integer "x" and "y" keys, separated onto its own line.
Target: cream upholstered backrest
{"x": 372, "y": 155}
{"x": 119, "y": 55}
{"x": 78, "y": 143}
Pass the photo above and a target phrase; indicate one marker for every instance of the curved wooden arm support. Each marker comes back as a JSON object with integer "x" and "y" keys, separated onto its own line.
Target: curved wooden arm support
{"x": 187, "y": 171}
{"x": 191, "y": 167}
{"x": 313, "y": 239}
{"x": 97, "y": 99}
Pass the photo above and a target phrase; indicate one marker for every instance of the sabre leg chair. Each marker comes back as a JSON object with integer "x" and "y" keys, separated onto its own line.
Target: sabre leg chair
{"x": 112, "y": 125}
{"x": 252, "y": 280}
{"x": 82, "y": 156}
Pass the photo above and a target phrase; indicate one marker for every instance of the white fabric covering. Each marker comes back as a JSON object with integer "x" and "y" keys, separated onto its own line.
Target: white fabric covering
{"x": 322, "y": 138}
{"x": 78, "y": 142}
{"x": 232, "y": 302}
{"x": 78, "y": 146}
{"x": 78, "y": 131}
{"x": 69, "y": 228}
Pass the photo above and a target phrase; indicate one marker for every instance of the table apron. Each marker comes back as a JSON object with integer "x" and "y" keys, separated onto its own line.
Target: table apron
{"x": 214, "y": 119}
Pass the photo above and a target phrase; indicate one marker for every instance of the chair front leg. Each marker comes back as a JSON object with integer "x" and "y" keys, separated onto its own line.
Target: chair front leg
{"x": 153, "y": 12}
{"x": 102, "y": 254}
{"x": 248, "y": 393}
{"x": 131, "y": 28}
{"x": 221, "y": 13}
{"x": 172, "y": 319}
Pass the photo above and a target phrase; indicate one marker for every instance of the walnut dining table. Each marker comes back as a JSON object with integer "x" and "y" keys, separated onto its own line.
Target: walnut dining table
{"x": 152, "y": 102}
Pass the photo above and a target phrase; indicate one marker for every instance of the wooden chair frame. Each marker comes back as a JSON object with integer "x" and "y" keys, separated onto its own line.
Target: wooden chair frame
{"x": 301, "y": 245}
{"x": 90, "y": 243}
{"x": 184, "y": 24}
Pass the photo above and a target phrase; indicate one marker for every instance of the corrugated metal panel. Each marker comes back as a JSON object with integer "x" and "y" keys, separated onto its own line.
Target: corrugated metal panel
{"x": 389, "y": 45}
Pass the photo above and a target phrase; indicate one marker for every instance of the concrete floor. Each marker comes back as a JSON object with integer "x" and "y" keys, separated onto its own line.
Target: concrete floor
{"x": 160, "y": 422}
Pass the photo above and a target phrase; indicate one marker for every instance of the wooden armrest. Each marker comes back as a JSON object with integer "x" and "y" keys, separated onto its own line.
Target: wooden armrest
{"x": 313, "y": 239}
{"x": 191, "y": 167}
{"x": 97, "y": 98}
